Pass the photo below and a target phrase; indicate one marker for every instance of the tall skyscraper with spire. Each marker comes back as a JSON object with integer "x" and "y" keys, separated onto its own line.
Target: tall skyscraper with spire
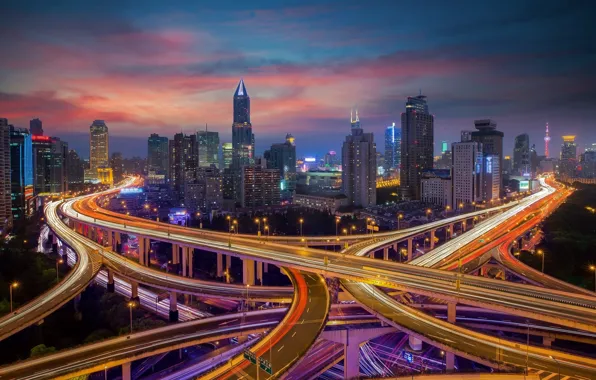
{"x": 546, "y": 142}
{"x": 359, "y": 166}
{"x": 242, "y": 136}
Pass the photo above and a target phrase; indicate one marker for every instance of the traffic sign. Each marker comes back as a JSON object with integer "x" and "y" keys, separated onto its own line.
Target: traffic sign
{"x": 265, "y": 365}
{"x": 250, "y": 356}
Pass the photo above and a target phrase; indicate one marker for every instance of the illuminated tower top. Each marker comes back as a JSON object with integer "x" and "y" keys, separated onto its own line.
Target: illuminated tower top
{"x": 241, "y": 104}
{"x": 546, "y": 141}
{"x": 355, "y": 122}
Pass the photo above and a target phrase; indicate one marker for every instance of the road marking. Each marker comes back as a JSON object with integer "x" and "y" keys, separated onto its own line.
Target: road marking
{"x": 307, "y": 310}
{"x": 294, "y": 333}
{"x": 281, "y": 348}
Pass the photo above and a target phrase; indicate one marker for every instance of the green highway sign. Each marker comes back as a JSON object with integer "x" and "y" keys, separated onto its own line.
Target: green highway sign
{"x": 265, "y": 365}
{"x": 250, "y": 356}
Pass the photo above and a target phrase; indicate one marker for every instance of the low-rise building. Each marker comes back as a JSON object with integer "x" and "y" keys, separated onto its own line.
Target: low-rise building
{"x": 321, "y": 202}
{"x": 436, "y": 187}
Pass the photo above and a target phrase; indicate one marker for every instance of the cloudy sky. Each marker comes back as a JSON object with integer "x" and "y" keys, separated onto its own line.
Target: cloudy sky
{"x": 169, "y": 66}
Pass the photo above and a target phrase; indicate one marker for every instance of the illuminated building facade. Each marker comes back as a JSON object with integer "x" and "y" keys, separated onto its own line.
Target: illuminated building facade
{"x": 208, "y": 148}
{"x": 157, "y": 158}
{"x": 5, "y": 201}
{"x": 50, "y": 165}
{"x": 260, "y": 187}
{"x": 98, "y": 147}
{"x": 392, "y": 147}
{"x": 21, "y": 172}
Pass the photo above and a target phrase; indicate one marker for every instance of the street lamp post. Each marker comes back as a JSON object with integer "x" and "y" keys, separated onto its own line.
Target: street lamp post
{"x": 131, "y": 304}
{"x": 541, "y": 253}
{"x": 200, "y": 220}
{"x": 301, "y": 223}
{"x": 59, "y": 261}
{"x": 14, "y": 285}
{"x": 399, "y": 218}
{"x": 247, "y": 305}
{"x": 593, "y": 269}
{"x": 258, "y": 222}
{"x": 336, "y": 225}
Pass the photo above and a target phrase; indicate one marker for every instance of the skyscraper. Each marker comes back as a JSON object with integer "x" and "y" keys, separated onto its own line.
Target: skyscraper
{"x": 50, "y": 164}
{"x": 568, "y": 157}
{"x": 417, "y": 132}
{"x": 21, "y": 168}
{"x": 184, "y": 161}
{"x": 466, "y": 174}
{"x": 392, "y": 147}
{"x": 260, "y": 186}
{"x": 208, "y": 148}
{"x": 283, "y": 158}
{"x": 157, "y": 155}
{"x": 5, "y": 203}
{"x": 76, "y": 169}
{"x": 521, "y": 155}
{"x": 491, "y": 139}
{"x": 35, "y": 128}
{"x": 98, "y": 147}
{"x": 359, "y": 166}
{"x": 444, "y": 146}
{"x": 242, "y": 136}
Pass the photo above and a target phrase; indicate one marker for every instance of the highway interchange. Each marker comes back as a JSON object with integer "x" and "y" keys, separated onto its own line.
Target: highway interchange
{"x": 359, "y": 274}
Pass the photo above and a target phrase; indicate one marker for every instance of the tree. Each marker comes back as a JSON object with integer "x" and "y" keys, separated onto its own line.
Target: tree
{"x": 40, "y": 350}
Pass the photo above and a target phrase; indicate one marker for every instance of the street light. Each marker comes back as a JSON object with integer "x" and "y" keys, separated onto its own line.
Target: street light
{"x": 336, "y": 225}
{"x": 399, "y": 218}
{"x": 345, "y": 231}
{"x": 60, "y": 261}
{"x": 301, "y": 223}
{"x": 14, "y": 285}
{"x": 247, "y": 305}
{"x": 131, "y": 304}
{"x": 558, "y": 366}
{"x": 541, "y": 253}
{"x": 593, "y": 269}
{"x": 258, "y": 222}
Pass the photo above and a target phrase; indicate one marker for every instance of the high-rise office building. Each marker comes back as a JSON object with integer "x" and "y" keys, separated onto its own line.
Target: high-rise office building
{"x": 283, "y": 158}
{"x": 417, "y": 146}
{"x": 491, "y": 177}
{"x": 76, "y": 169}
{"x": 157, "y": 155}
{"x": 466, "y": 173}
{"x": 5, "y": 202}
{"x": 208, "y": 148}
{"x": 568, "y": 162}
{"x": 521, "y": 155}
{"x": 117, "y": 166}
{"x": 259, "y": 187}
{"x": 227, "y": 152}
{"x": 21, "y": 169}
{"x": 98, "y": 147}
{"x": 491, "y": 139}
{"x": 183, "y": 161}
{"x": 392, "y": 147}
{"x": 359, "y": 166}
{"x": 242, "y": 136}
{"x": 205, "y": 193}
{"x": 50, "y": 165}
{"x": 35, "y": 127}
{"x": 507, "y": 165}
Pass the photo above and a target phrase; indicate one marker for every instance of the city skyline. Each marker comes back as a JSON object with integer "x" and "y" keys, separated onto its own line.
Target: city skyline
{"x": 147, "y": 75}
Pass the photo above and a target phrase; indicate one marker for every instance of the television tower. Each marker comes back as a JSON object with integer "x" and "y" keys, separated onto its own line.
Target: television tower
{"x": 546, "y": 141}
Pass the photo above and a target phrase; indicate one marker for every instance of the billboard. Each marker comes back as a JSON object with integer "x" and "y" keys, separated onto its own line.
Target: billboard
{"x": 524, "y": 185}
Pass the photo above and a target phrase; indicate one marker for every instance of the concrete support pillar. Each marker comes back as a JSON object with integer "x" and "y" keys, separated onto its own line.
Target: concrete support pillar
{"x": 147, "y": 253}
{"x": 266, "y": 267}
{"x": 191, "y": 255}
{"x": 248, "y": 272}
{"x": 386, "y": 253}
{"x": 126, "y": 371}
{"x": 449, "y": 361}
{"x": 141, "y": 250}
{"x": 134, "y": 291}
{"x": 260, "y": 272}
{"x": 432, "y": 239}
{"x": 220, "y": 265}
{"x": 464, "y": 225}
{"x": 451, "y": 313}
{"x": 173, "y": 307}
{"x": 184, "y": 262}
{"x": 351, "y": 360}
{"x": 110, "y": 237}
{"x": 111, "y": 286}
{"x": 175, "y": 254}
{"x": 415, "y": 343}
{"x": 228, "y": 263}
{"x": 450, "y": 231}
{"x": 371, "y": 254}
{"x": 483, "y": 271}
{"x": 395, "y": 247}
{"x": 547, "y": 341}
{"x": 410, "y": 252}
